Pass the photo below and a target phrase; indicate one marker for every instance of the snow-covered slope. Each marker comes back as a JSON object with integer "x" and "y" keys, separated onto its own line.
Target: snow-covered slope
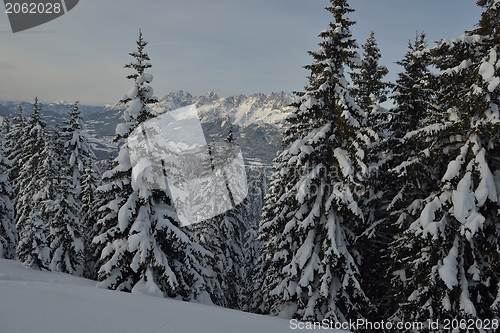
{"x": 45, "y": 302}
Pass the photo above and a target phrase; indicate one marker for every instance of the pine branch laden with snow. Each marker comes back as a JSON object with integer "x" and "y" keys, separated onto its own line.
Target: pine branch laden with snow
{"x": 450, "y": 254}
{"x": 144, "y": 249}
{"x": 310, "y": 262}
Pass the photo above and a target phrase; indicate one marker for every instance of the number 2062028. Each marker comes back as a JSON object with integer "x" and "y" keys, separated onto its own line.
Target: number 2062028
{"x": 471, "y": 324}
{"x": 33, "y": 8}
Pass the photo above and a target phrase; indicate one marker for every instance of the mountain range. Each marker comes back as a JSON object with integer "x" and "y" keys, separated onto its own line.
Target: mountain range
{"x": 257, "y": 120}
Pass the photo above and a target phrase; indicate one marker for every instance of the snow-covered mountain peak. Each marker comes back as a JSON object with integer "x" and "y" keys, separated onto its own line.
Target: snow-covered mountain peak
{"x": 241, "y": 110}
{"x": 61, "y": 102}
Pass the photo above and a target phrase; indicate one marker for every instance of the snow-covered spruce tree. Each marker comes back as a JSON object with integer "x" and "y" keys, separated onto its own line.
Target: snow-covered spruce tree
{"x": 103, "y": 196}
{"x": 8, "y": 231}
{"x": 5, "y": 127}
{"x": 413, "y": 92}
{"x": 13, "y": 150}
{"x": 409, "y": 173}
{"x": 252, "y": 214}
{"x": 390, "y": 161}
{"x": 78, "y": 163}
{"x": 450, "y": 255}
{"x": 223, "y": 234}
{"x": 33, "y": 247}
{"x": 368, "y": 90}
{"x": 145, "y": 248}
{"x": 76, "y": 148}
{"x": 91, "y": 202}
{"x": 272, "y": 223}
{"x": 309, "y": 257}
{"x": 59, "y": 208}
{"x": 201, "y": 199}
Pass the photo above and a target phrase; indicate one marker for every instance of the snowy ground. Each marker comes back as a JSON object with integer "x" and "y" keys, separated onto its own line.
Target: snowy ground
{"x": 45, "y": 302}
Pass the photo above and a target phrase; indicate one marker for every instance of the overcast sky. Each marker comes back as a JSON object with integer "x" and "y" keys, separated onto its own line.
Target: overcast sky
{"x": 225, "y": 46}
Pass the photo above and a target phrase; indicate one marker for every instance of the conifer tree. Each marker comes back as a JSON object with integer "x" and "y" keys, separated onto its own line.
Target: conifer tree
{"x": 273, "y": 221}
{"x": 449, "y": 254}
{"x": 145, "y": 248}
{"x": 91, "y": 201}
{"x": 103, "y": 196}
{"x": 5, "y": 128}
{"x": 222, "y": 234}
{"x": 408, "y": 173}
{"x": 8, "y": 232}
{"x": 413, "y": 92}
{"x": 312, "y": 214}
{"x": 410, "y": 176}
{"x": 79, "y": 165}
{"x": 252, "y": 213}
{"x": 368, "y": 90}
{"x": 206, "y": 231}
{"x": 77, "y": 149}
{"x": 13, "y": 149}
{"x": 392, "y": 159}
{"x": 33, "y": 246}
{"x": 59, "y": 207}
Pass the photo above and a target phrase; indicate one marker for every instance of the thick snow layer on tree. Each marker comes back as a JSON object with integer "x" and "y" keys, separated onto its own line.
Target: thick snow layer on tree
{"x": 148, "y": 78}
{"x": 448, "y": 272}
{"x": 122, "y": 129}
{"x": 44, "y": 302}
{"x": 453, "y": 169}
{"x": 148, "y": 287}
{"x": 344, "y": 162}
{"x": 463, "y": 202}
{"x": 486, "y": 188}
{"x": 487, "y": 71}
{"x": 427, "y": 215}
{"x": 133, "y": 92}
{"x": 134, "y": 108}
